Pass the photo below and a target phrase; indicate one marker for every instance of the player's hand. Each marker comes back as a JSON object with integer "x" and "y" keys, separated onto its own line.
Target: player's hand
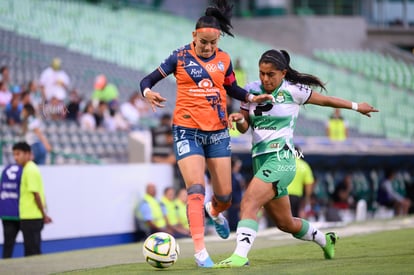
{"x": 155, "y": 99}
{"x": 234, "y": 118}
{"x": 263, "y": 98}
{"x": 47, "y": 219}
{"x": 366, "y": 109}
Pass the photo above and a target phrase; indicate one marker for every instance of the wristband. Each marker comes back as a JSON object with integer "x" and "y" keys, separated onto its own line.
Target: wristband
{"x": 355, "y": 106}
{"x": 241, "y": 121}
{"x": 250, "y": 98}
{"x": 146, "y": 90}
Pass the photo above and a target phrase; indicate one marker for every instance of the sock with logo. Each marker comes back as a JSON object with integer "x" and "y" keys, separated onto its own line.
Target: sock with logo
{"x": 309, "y": 233}
{"x": 246, "y": 233}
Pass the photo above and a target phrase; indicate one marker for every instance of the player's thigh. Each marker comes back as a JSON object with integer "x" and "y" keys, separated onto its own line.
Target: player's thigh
{"x": 220, "y": 173}
{"x": 192, "y": 169}
{"x": 275, "y": 170}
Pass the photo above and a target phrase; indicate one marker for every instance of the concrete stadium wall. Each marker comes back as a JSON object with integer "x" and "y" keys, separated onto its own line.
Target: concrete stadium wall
{"x": 95, "y": 201}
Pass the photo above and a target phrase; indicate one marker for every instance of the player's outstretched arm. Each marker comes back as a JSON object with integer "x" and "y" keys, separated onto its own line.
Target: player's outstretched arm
{"x": 337, "y": 102}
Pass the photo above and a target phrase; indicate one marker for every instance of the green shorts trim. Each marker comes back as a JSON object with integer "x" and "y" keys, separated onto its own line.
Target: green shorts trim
{"x": 277, "y": 168}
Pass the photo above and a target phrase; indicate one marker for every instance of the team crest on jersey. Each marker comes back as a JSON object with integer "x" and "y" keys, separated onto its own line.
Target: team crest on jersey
{"x": 280, "y": 98}
{"x": 205, "y": 83}
{"x": 220, "y": 66}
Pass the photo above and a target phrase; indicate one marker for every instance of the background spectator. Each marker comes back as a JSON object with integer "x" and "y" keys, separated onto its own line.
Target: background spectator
{"x": 5, "y": 94}
{"x": 130, "y": 110}
{"x": 73, "y": 106}
{"x": 54, "y": 81}
{"x": 13, "y": 110}
{"x": 100, "y": 112}
{"x": 171, "y": 215}
{"x": 389, "y": 197}
{"x": 149, "y": 214}
{"x": 104, "y": 92}
{"x": 114, "y": 121}
{"x": 301, "y": 188}
{"x": 162, "y": 141}
{"x": 32, "y": 128}
{"x": 5, "y": 75}
{"x": 337, "y": 128}
{"x": 36, "y": 95}
{"x": 28, "y": 212}
{"x": 87, "y": 119}
{"x": 181, "y": 205}
{"x": 342, "y": 197}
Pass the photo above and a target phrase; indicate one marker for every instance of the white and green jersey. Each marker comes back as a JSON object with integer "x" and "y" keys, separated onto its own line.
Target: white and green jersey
{"x": 272, "y": 124}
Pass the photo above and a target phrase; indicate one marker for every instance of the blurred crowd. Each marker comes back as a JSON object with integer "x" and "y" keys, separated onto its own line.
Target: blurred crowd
{"x": 54, "y": 98}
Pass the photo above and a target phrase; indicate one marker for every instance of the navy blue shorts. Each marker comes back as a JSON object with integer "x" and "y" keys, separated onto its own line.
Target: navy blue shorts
{"x": 209, "y": 144}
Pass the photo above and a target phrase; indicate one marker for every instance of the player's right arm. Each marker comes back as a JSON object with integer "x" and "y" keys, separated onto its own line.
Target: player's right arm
{"x": 166, "y": 68}
{"x": 241, "y": 119}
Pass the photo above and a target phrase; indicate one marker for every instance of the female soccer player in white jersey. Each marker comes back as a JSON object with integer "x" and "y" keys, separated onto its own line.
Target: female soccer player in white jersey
{"x": 272, "y": 125}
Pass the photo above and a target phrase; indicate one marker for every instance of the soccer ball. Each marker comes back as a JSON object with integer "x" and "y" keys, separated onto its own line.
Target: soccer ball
{"x": 161, "y": 250}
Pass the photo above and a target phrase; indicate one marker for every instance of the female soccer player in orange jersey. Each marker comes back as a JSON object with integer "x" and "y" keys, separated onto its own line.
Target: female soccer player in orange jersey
{"x": 204, "y": 76}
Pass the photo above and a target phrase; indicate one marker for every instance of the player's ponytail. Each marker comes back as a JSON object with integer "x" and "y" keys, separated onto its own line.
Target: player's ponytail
{"x": 218, "y": 17}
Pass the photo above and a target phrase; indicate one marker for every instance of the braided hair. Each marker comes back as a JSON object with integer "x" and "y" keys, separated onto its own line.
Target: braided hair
{"x": 217, "y": 17}
{"x": 281, "y": 59}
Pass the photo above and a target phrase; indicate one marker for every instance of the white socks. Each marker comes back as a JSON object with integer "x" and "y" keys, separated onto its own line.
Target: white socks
{"x": 246, "y": 233}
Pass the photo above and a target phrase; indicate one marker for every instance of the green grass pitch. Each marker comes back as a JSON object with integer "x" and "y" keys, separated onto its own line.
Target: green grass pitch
{"x": 389, "y": 252}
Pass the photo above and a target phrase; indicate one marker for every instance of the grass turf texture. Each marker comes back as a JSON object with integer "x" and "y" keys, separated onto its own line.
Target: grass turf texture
{"x": 389, "y": 252}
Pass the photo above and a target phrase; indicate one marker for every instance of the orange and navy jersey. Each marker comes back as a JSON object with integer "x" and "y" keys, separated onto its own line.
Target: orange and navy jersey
{"x": 201, "y": 97}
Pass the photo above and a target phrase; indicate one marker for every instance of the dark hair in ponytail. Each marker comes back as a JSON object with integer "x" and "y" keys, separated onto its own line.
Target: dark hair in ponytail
{"x": 218, "y": 17}
{"x": 281, "y": 60}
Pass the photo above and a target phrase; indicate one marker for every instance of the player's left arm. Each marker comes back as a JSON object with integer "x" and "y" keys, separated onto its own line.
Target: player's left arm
{"x": 336, "y": 102}
{"x": 41, "y": 207}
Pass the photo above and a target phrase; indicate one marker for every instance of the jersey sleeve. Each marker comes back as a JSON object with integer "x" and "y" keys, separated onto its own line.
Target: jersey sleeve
{"x": 34, "y": 181}
{"x": 169, "y": 65}
{"x": 301, "y": 93}
{"x": 230, "y": 78}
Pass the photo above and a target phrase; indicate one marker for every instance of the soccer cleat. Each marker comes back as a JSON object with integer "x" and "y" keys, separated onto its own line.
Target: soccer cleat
{"x": 329, "y": 248}
{"x": 233, "y": 261}
{"x": 220, "y": 222}
{"x": 203, "y": 259}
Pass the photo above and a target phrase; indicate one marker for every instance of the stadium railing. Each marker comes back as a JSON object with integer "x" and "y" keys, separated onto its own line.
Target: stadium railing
{"x": 54, "y": 155}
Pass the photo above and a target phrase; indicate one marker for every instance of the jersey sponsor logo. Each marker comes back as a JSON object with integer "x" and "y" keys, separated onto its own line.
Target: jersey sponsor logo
{"x": 8, "y": 195}
{"x": 272, "y": 128}
{"x": 11, "y": 172}
{"x": 191, "y": 64}
{"x": 196, "y": 72}
{"x": 205, "y": 83}
{"x": 274, "y": 145}
{"x": 211, "y": 68}
{"x": 183, "y": 147}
